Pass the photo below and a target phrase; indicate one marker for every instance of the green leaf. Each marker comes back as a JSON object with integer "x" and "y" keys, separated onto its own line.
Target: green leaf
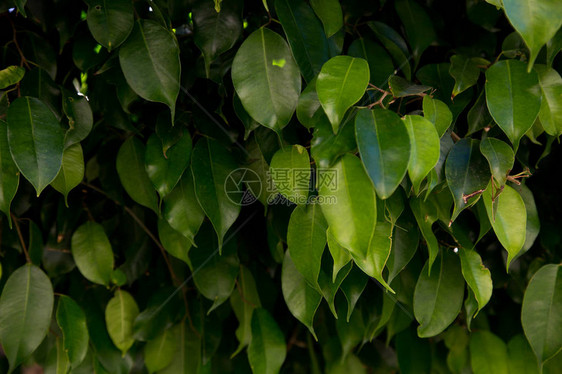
{"x": 425, "y": 217}
{"x": 72, "y": 322}
{"x": 438, "y": 113}
{"x": 182, "y": 210}
{"x": 424, "y": 153}
{"x": 488, "y": 353}
{"x": 438, "y": 297}
{"x": 110, "y": 22}
{"x": 340, "y": 84}
{"x": 380, "y": 63}
{"x": 405, "y": 242}
{"x": 216, "y": 274}
{"x": 301, "y": 299}
{"x": 11, "y": 75}
{"x": 477, "y": 276}
{"x": 306, "y": 36}
{"x": 500, "y": 156}
{"x": 513, "y": 97}
{"x": 71, "y": 172}
{"x": 508, "y": 217}
{"x": 36, "y": 141}
{"x": 9, "y": 173}
{"x": 418, "y": 25}
{"x": 260, "y": 184}
{"x": 550, "y": 114}
{"x": 466, "y": 71}
{"x": 309, "y": 109}
{"x": 327, "y": 147}
{"x": 120, "y": 315}
{"x": 478, "y": 116}
{"x": 395, "y": 45}
{"x": 130, "y": 167}
{"x": 384, "y": 145}
{"x": 412, "y": 353}
{"x": 20, "y": 4}
{"x": 352, "y": 287}
{"x": 268, "y": 86}
{"x": 174, "y": 242}
{"x": 553, "y": 47}
{"x": 150, "y": 60}
{"x": 26, "y": 306}
{"x": 267, "y": 350}
{"x": 159, "y": 352}
{"x": 533, "y": 223}
{"x": 467, "y": 172}
{"x": 400, "y": 87}
{"x": 212, "y": 166}
{"x": 215, "y": 32}
{"x": 329, "y": 285}
{"x": 536, "y": 21}
{"x": 541, "y": 312}
{"x": 243, "y": 303}
{"x": 330, "y": 13}
{"x": 290, "y": 171}
{"x": 92, "y": 253}
{"x": 306, "y": 239}
{"x": 470, "y": 307}
{"x": 187, "y": 357}
{"x": 522, "y": 359}
{"x": 340, "y": 255}
{"x": 80, "y": 118}
{"x": 165, "y": 170}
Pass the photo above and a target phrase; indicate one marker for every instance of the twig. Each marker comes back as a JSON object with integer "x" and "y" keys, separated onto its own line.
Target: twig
{"x": 22, "y": 242}
{"x": 466, "y": 197}
{"x": 15, "y": 40}
{"x": 455, "y": 137}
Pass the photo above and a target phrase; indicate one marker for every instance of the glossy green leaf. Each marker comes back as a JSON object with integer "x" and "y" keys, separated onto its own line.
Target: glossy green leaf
{"x": 438, "y": 113}
{"x": 72, "y": 322}
{"x": 536, "y": 21}
{"x": 400, "y": 87}
{"x": 488, "y": 353}
{"x": 215, "y": 32}
{"x": 110, "y": 22}
{"x": 330, "y": 13}
{"x": 26, "y": 306}
{"x": 9, "y": 173}
{"x": 326, "y": 147}
{"x": 301, "y": 299}
{"x": 92, "y": 253}
{"x": 438, "y": 297}
{"x": 132, "y": 173}
{"x": 340, "y": 84}
{"x": 36, "y": 141}
{"x": 466, "y": 71}
{"x": 11, "y": 75}
{"x": 522, "y": 359}
{"x": 80, "y": 118}
{"x": 243, "y": 303}
{"x": 165, "y": 170}
{"x": 151, "y": 63}
{"x": 477, "y": 276}
{"x": 384, "y": 145}
{"x": 550, "y": 114}
{"x": 266, "y": 351}
{"x": 508, "y": 217}
{"x": 467, "y": 172}
{"x": 540, "y": 314}
{"x": 211, "y": 165}
{"x": 395, "y": 45}
{"x": 405, "y": 241}
{"x": 424, "y": 153}
{"x": 120, "y": 314}
{"x": 425, "y": 217}
{"x": 340, "y": 255}
{"x": 418, "y": 25}
{"x": 513, "y": 97}
{"x": 533, "y": 223}
{"x": 306, "y": 239}
{"x": 478, "y": 116}
{"x": 174, "y": 242}
{"x": 380, "y": 64}
{"x": 71, "y": 172}
{"x": 500, "y": 156}
{"x": 309, "y": 109}
{"x": 306, "y": 36}
{"x": 290, "y": 171}
{"x": 268, "y": 86}
{"x": 159, "y": 352}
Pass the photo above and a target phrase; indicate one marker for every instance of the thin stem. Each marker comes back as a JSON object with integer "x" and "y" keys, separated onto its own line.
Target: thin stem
{"x": 15, "y": 40}
{"x": 22, "y": 242}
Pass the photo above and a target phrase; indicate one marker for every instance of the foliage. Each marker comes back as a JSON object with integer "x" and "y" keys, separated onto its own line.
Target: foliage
{"x": 197, "y": 186}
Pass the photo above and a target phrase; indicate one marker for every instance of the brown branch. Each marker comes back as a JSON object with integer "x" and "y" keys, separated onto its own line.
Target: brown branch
{"x": 15, "y": 40}
{"x": 22, "y": 242}
{"x": 455, "y": 137}
{"x": 466, "y": 197}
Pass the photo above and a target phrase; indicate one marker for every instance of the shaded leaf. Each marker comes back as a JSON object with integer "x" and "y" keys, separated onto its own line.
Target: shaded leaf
{"x": 71, "y": 172}
{"x": 9, "y": 173}
{"x": 290, "y": 171}
{"x": 72, "y": 321}
{"x": 488, "y": 353}
{"x": 110, "y": 22}
{"x": 266, "y": 351}
{"x": 92, "y": 253}
{"x": 500, "y": 156}
{"x": 330, "y": 13}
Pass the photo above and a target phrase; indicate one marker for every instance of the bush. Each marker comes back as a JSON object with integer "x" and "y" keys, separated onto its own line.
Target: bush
{"x": 280, "y": 186}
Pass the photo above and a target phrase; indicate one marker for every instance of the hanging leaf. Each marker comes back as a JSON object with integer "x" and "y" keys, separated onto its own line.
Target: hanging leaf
{"x": 508, "y": 217}
{"x": 514, "y": 97}
{"x": 159, "y": 352}
{"x": 330, "y": 13}
{"x": 110, "y": 22}
{"x": 266, "y": 351}
{"x": 477, "y": 276}
{"x": 384, "y": 145}
{"x": 133, "y": 176}
{"x": 466, "y": 71}
{"x": 438, "y": 113}
{"x": 438, "y": 297}
{"x": 522, "y": 359}
{"x": 9, "y": 173}
{"x": 418, "y": 25}
{"x": 340, "y": 255}
{"x": 540, "y": 314}
{"x": 478, "y": 116}
{"x": 72, "y": 322}
{"x": 550, "y": 114}
{"x": 395, "y": 45}
{"x": 488, "y": 353}
{"x": 92, "y": 253}
{"x": 425, "y": 217}
{"x": 26, "y": 306}
{"x": 80, "y": 118}
{"x": 11, "y": 75}
{"x": 309, "y": 109}
{"x": 71, "y": 172}
{"x": 212, "y": 166}
{"x": 243, "y": 303}
{"x": 404, "y": 245}
{"x": 36, "y": 141}
{"x": 290, "y": 171}
{"x": 174, "y": 242}
{"x": 120, "y": 314}
{"x": 533, "y": 223}
{"x": 268, "y": 86}
{"x": 340, "y": 84}
{"x": 352, "y": 287}
{"x": 150, "y": 60}
{"x": 380, "y": 63}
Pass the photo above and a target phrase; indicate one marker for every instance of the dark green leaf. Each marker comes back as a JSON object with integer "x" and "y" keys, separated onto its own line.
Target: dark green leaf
{"x": 266, "y": 351}
{"x": 380, "y": 63}
{"x": 71, "y": 172}
{"x": 400, "y": 87}
{"x": 550, "y": 114}
{"x": 72, "y": 322}
{"x": 290, "y": 171}
{"x": 80, "y": 118}
{"x": 159, "y": 352}
{"x": 395, "y": 45}
{"x": 92, "y": 253}
{"x": 418, "y": 25}
{"x": 9, "y": 173}
{"x": 477, "y": 276}
{"x": 330, "y": 12}
{"x": 110, "y": 22}
{"x": 466, "y": 71}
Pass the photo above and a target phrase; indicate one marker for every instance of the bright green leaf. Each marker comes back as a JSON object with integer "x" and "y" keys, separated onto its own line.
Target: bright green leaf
{"x": 120, "y": 315}
{"x": 488, "y": 353}
{"x": 159, "y": 352}
{"x": 11, "y": 75}
{"x": 92, "y": 253}
{"x": 330, "y": 12}
{"x": 290, "y": 171}
{"x": 71, "y": 172}
{"x": 72, "y": 322}
{"x": 500, "y": 156}
{"x": 477, "y": 276}
{"x": 438, "y": 113}
{"x": 466, "y": 71}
